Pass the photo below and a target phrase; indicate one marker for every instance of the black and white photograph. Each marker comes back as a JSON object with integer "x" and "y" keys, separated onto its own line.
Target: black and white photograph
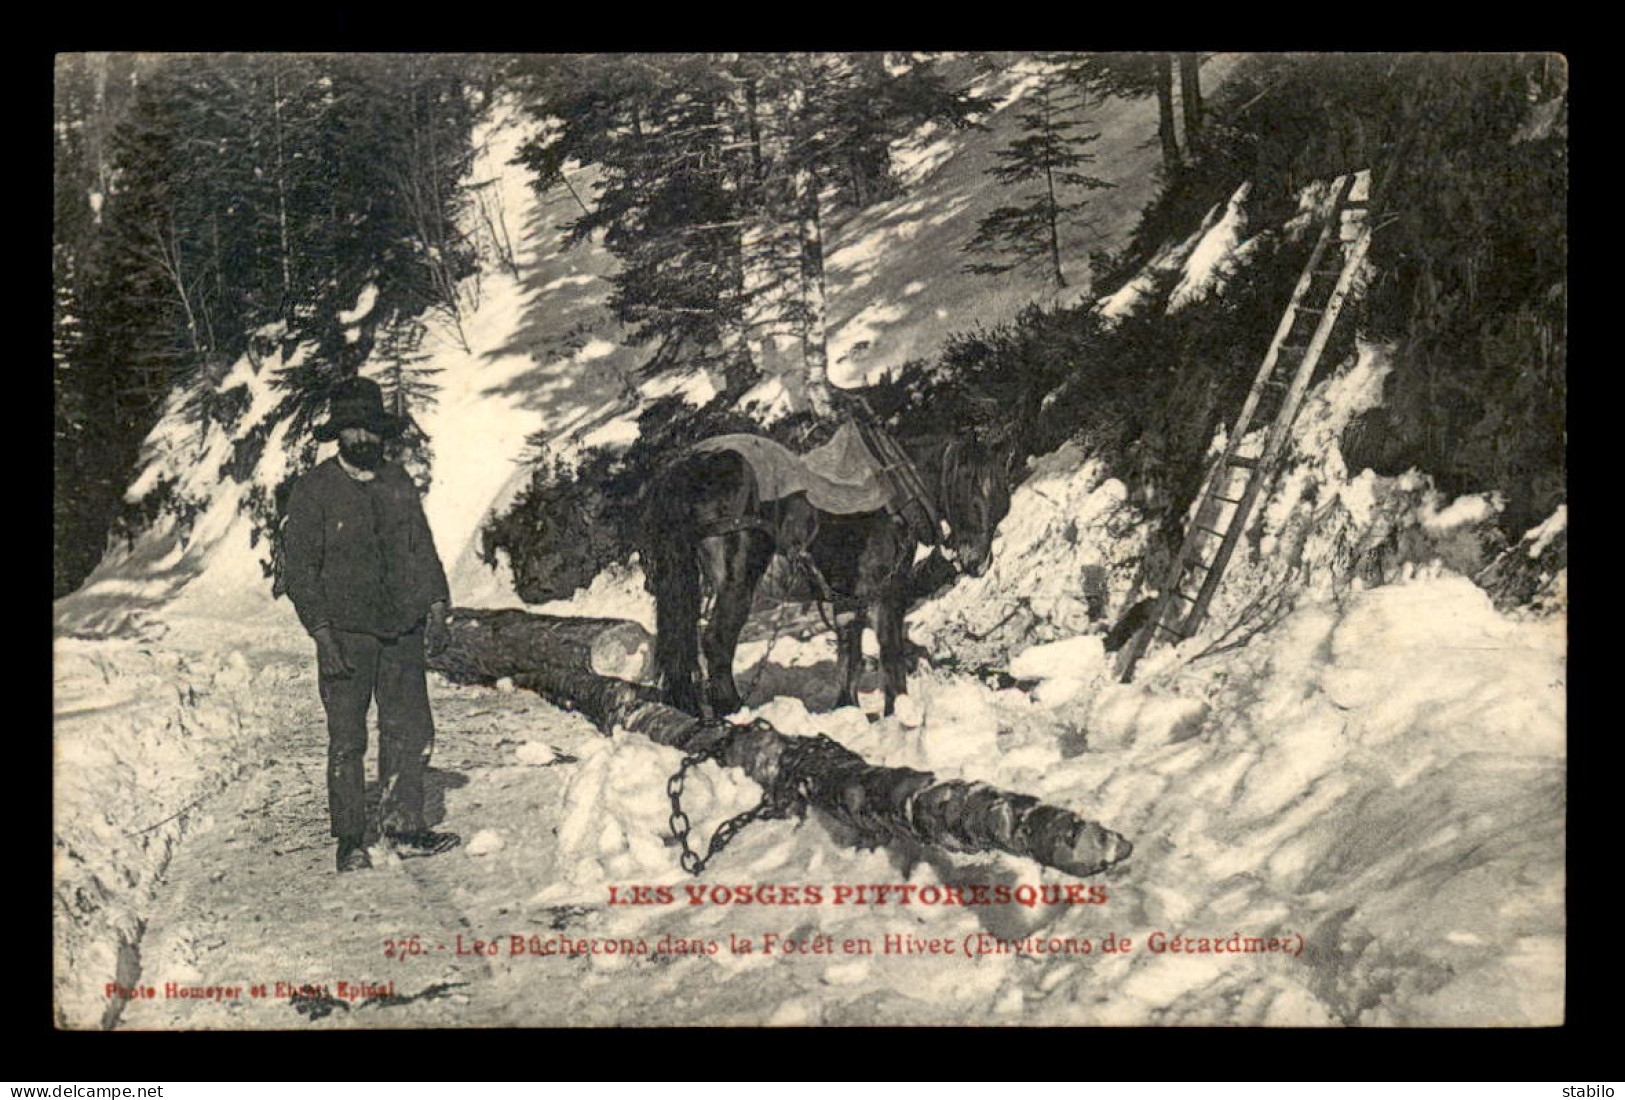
{"x": 809, "y": 539}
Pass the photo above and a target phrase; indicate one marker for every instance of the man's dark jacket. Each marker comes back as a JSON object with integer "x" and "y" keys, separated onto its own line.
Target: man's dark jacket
{"x": 357, "y": 555}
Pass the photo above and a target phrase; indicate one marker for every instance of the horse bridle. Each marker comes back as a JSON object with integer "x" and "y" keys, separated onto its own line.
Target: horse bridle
{"x": 950, "y": 458}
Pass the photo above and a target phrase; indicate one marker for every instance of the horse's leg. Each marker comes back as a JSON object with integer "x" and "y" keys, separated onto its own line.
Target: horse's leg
{"x": 889, "y": 630}
{"x": 743, "y": 559}
{"x": 672, "y": 567}
{"x": 849, "y": 655}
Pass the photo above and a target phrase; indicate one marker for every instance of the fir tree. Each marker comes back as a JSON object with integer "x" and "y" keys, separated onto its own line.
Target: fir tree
{"x": 1135, "y": 76}
{"x": 674, "y": 180}
{"x": 714, "y": 173}
{"x": 832, "y": 108}
{"x": 1050, "y": 152}
{"x": 205, "y": 199}
{"x": 408, "y": 389}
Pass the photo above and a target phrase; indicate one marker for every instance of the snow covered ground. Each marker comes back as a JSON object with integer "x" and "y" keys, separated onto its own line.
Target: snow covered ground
{"x": 1378, "y": 785}
{"x": 144, "y": 739}
{"x": 1373, "y": 783}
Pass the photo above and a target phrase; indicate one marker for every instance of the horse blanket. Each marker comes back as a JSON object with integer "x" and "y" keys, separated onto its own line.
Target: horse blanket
{"x": 841, "y": 477}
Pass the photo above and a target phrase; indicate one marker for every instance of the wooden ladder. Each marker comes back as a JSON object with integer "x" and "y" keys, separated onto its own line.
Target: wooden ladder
{"x": 1289, "y": 365}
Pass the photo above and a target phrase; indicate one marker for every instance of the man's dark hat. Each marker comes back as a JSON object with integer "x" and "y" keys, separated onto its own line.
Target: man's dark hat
{"x": 358, "y": 403}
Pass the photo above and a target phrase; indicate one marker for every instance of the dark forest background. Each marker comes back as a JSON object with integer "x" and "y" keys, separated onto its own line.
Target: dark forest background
{"x": 216, "y": 206}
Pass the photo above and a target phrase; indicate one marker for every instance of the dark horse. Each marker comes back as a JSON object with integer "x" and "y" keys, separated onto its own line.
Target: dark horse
{"x": 703, "y": 514}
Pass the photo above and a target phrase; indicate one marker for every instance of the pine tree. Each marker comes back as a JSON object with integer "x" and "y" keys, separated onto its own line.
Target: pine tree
{"x": 827, "y": 113}
{"x": 204, "y": 199}
{"x": 1190, "y": 99}
{"x": 1049, "y": 151}
{"x": 423, "y": 113}
{"x": 1135, "y": 76}
{"x": 669, "y": 137}
{"x": 715, "y": 177}
{"x": 406, "y": 383}
{"x": 408, "y": 389}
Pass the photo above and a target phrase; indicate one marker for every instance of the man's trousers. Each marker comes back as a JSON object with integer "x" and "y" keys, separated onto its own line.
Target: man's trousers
{"x": 392, "y": 671}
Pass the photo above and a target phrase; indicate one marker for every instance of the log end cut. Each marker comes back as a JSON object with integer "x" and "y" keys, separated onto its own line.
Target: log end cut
{"x": 490, "y": 643}
{"x": 625, "y": 651}
{"x": 1079, "y": 847}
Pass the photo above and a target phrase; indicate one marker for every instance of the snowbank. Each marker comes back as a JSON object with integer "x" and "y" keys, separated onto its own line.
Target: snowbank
{"x": 1063, "y": 559}
{"x": 1378, "y": 781}
{"x": 142, "y": 738}
{"x": 1213, "y": 255}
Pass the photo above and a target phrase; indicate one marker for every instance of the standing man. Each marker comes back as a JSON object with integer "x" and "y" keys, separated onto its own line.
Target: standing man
{"x": 363, "y": 575}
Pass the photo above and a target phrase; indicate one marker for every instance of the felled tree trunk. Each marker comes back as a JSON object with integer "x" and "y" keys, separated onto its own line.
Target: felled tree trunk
{"x": 878, "y": 802}
{"x": 488, "y": 645}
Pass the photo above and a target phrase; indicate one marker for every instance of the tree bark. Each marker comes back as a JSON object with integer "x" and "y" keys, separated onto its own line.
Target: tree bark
{"x": 754, "y": 129}
{"x": 743, "y": 179}
{"x": 815, "y": 339}
{"x": 488, "y": 645}
{"x": 1190, "y": 98}
{"x": 879, "y": 803}
{"x": 1165, "y": 112}
{"x": 1054, "y": 210}
{"x": 285, "y": 251}
{"x": 168, "y": 255}
{"x": 738, "y": 366}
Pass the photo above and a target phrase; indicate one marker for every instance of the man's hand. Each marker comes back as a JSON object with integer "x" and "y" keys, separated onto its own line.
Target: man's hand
{"x": 330, "y": 659}
{"x": 436, "y": 631}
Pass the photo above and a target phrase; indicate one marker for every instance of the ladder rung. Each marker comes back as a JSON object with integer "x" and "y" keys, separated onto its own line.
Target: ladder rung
{"x": 1283, "y": 382}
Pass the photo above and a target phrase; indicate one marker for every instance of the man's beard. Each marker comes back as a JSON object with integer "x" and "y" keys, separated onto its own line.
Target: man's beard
{"x": 363, "y": 456}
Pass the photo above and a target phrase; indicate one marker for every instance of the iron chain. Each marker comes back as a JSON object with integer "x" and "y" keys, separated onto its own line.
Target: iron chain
{"x": 692, "y": 862}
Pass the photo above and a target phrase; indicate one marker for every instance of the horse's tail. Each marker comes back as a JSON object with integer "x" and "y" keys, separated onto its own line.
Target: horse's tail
{"x": 670, "y": 550}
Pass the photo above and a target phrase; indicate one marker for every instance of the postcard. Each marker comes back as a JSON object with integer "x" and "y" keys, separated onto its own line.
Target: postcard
{"x": 809, "y": 539}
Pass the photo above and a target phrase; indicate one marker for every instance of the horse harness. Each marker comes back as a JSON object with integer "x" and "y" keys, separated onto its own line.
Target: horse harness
{"x": 911, "y": 505}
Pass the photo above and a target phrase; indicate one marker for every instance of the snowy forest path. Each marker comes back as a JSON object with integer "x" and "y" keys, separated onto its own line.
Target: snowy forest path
{"x": 252, "y": 898}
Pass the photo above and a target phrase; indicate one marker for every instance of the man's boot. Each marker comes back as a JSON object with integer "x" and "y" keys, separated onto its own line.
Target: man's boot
{"x": 353, "y": 856}
{"x": 424, "y": 842}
